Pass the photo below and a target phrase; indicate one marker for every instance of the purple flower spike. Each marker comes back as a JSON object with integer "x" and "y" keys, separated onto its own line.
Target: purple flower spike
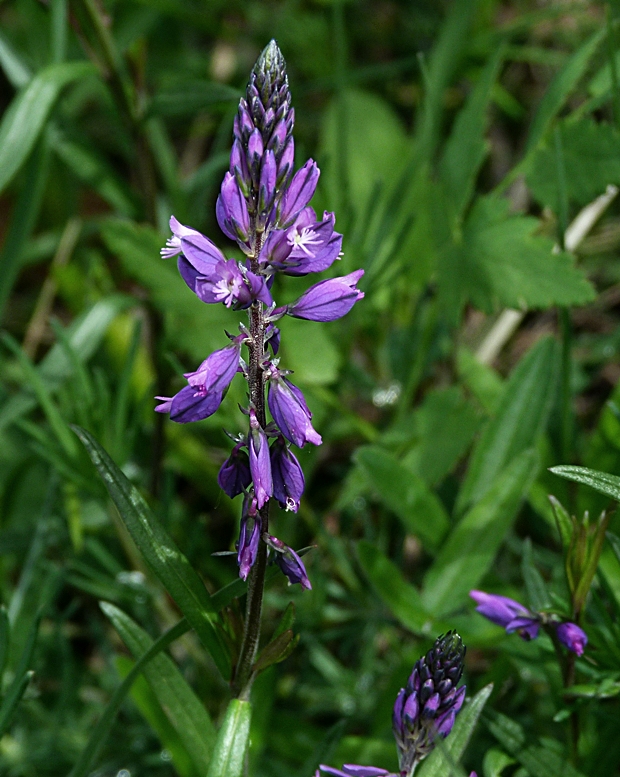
{"x": 260, "y": 463}
{"x": 507, "y": 613}
{"x": 288, "y": 476}
{"x": 234, "y": 476}
{"x": 267, "y": 187}
{"x": 232, "y": 211}
{"x": 290, "y": 411}
{"x": 572, "y": 637}
{"x": 298, "y": 194}
{"x": 288, "y": 561}
{"x": 248, "y": 546}
{"x": 427, "y": 707}
{"x": 328, "y": 300}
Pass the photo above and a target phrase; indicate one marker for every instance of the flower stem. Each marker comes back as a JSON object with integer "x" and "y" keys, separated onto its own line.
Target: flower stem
{"x": 244, "y": 677}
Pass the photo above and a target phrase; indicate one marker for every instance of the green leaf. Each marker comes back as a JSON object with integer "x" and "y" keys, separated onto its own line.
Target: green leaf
{"x": 187, "y": 97}
{"x": 167, "y": 562}
{"x": 469, "y": 551}
{"x": 560, "y": 88}
{"x": 106, "y": 721}
{"x": 519, "y": 421}
{"x": 25, "y": 118}
{"x": 185, "y": 712}
{"x": 23, "y": 220}
{"x": 537, "y": 593}
{"x": 146, "y": 701}
{"x": 405, "y": 493}
{"x": 400, "y": 596}
{"x": 451, "y": 749}
{"x": 232, "y": 741}
{"x": 591, "y": 162}
{"x": 444, "y": 427}
{"x": 41, "y": 391}
{"x": 499, "y": 261}
{"x": 466, "y": 148}
{"x": 5, "y": 638}
{"x": 21, "y": 680}
{"x": 369, "y": 149}
{"x": 481, "y": 380}
{"x": 94, "y": 169}
{"x": 604, "y": 483}
{"x": 539, "y": 761}
{"x": 278, "y": 650}
{"x": 85, "y": 336}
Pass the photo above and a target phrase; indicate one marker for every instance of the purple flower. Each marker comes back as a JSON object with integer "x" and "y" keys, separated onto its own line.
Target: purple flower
{"x": 507, "y": 613}
{"x": 234, "y": 475}
{"x": 288, "y": 561}
{"x": 352, "y": 770}
{"x": 328, "y": 300}
{"x": 206, "y": 387}
{"x": 572, "y": 637}
{"x": 427, "y": 706}
{"x": 248, "y": 545}
{"x": 231, "y": 211}
{"x": 201, "y": 252}
{"x": 232, "y": 284}
{"x": 260, "y": 462}
{"x": 298, "y": 194}
{"x": 290, "y": 411}
{"x": 307, "y": 246}
{"x": 288, "y": 476}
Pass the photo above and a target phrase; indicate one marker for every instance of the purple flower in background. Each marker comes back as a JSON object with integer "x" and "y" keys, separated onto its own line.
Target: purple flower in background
{"x": 507, "y": 613}
{"x": 288, "y": 476}
{"x": 234, "y": 476}
{"x": 426, "y": 708}
{"x": 290, "y": 411}
{"x": 263, "y": 206}
{"x": 328, "y": 300}
{"x": 351, "y": 770}
{"x": 572, "y": 637}
{"x": 289, "y": 562}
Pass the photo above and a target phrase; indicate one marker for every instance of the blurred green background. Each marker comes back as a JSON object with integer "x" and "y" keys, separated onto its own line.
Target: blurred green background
{"x": 458, "y": 141}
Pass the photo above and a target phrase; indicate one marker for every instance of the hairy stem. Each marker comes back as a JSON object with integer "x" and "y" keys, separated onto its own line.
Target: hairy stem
{"x": 256, "y": 582}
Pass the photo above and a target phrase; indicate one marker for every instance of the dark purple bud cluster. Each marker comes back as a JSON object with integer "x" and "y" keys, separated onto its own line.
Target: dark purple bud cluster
{"x": 514, "y": 617}
{"x": 264, "y": 207}
{"x": 424, "y": 710}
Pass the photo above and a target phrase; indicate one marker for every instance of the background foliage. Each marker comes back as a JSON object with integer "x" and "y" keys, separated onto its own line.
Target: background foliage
{"x": 457, "y": 142}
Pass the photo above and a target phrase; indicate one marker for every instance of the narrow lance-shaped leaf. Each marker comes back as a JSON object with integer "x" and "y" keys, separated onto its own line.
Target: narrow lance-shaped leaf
{"x": 232, "y": 741}
{"x": 169, "y": 565}
{"x": 400, "y": 596}
{"x": 471, "y": 547}
{"x": 104, "y": 725}
{"x": 520, "y": 419}
{"x": 184, "y": 711}
{"x": 26, "y": 116}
